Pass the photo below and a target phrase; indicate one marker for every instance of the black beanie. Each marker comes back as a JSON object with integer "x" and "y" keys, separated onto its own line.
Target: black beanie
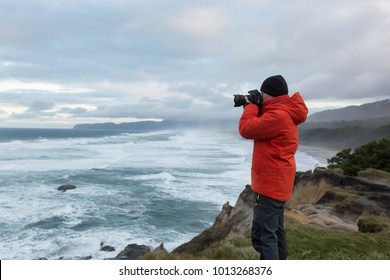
{"x": 274, "y": 86}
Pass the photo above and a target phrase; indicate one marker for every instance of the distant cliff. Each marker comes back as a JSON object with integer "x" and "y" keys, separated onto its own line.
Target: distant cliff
{"x": 375, "y": 110}
{"x": 142, "y": 125}
{"x": 227, "y": 124}
{"x": 343, "y": 137}
{"x": 348, "y": 127}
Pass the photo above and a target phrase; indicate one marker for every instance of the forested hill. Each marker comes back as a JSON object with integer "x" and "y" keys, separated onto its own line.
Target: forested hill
{"x": 343, "y": 137}
{"x": 376, "y": 110}
{"x": 348, "y": 127}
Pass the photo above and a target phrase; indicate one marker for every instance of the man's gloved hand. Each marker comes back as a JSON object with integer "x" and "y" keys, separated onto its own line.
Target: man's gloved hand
{"x": 255, "y": 97}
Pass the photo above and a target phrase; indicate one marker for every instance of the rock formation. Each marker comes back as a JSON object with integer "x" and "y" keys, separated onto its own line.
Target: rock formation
{"x": 321, "y": 197}
{"x": 339, "y": 201}
{"x": 64, "y": 188}
{"x": 106, "y": 248}
{"x": 133, "y": 252}
{"x": 231, "y": 220}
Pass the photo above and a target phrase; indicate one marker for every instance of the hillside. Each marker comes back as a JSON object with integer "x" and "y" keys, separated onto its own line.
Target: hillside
{"x": 343, "y": 137}
{"x": 375, "y": 110}
{"x": 348, "y": 127}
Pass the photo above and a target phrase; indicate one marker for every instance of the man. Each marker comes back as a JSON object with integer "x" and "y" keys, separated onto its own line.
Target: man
{"x": 275, "y": 134}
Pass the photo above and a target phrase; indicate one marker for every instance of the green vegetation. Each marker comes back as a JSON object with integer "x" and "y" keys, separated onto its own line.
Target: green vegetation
{"x": 341, "y": 137}
{"x": 305, "y": 241}
{"x": 375, "y": 155}
{"x": 343, "y": 198}
{"x": 317, "y": 243}
{"x": 375, "y": 175}
{"x": 373, "y": 224}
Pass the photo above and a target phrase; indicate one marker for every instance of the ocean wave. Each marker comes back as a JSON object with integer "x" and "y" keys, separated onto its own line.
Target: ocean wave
{"x": 164, "y": 176}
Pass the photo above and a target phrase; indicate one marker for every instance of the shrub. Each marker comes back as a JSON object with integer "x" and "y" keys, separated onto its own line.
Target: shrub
{"x": 372, "y": 155}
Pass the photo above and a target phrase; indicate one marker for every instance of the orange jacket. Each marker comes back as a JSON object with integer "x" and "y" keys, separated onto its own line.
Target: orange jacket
{"x": 275, "y": 135}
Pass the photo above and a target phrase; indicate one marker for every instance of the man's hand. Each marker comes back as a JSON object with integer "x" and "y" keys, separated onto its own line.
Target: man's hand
{"x": 255, "y": 97}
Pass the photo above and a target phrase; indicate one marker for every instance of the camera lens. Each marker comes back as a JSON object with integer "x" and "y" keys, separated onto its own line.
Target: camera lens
{"x": 239, "y": 100}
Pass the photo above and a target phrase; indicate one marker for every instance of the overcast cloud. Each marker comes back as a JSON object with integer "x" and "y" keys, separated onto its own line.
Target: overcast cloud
{"x": 64, "y": 62}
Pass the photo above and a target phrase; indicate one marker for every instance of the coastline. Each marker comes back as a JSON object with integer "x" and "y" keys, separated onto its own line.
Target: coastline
{"x": 320, "y": 154}
{"x": 122, "y": 192}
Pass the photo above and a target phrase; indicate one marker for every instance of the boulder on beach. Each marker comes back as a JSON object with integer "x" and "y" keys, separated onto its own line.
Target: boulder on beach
{"x": 106, "y": 248}
{"x": 133, "y": 252}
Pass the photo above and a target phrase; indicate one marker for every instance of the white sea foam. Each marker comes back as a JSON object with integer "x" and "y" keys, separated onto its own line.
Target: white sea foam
{"x": 163, "y": 176}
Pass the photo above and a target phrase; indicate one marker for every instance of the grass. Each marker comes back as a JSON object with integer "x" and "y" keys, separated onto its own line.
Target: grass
{"x": 305, "y": 242}
{"x": 375, "y": 175}
{"x": 373, "y": 224}
{"x": 309, "y": 242}
{"x": 343, "y": 198}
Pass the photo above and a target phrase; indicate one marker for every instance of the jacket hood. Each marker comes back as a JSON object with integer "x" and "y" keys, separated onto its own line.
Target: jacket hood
{"x": 294, "y": 106}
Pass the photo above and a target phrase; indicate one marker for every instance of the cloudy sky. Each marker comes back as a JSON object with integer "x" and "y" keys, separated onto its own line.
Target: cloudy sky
{"x": 64, "y": 62}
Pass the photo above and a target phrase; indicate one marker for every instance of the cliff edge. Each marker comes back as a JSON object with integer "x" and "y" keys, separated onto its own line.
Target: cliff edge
{"x": 324, "y": 199}
{"x": 334, "y": 200}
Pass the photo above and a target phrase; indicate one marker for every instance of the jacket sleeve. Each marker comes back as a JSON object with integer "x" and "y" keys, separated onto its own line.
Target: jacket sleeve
{"x": 258, "y": 128}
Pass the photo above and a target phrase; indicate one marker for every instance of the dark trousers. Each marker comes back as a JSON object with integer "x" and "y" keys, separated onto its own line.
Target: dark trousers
{"x": 268, "y": 234}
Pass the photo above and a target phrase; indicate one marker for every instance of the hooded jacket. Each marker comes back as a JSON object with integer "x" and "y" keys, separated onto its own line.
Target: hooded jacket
{"x": 275, "y": 135}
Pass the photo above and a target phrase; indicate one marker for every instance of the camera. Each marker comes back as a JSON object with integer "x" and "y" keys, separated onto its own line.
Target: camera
{"x": 254, "y": 97}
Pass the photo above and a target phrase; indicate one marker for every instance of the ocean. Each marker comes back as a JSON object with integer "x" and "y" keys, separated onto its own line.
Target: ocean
{"x": 144, "y": 187}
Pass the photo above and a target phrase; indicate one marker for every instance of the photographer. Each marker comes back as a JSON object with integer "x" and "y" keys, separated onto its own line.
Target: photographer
{"x": 270, "y": 118}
